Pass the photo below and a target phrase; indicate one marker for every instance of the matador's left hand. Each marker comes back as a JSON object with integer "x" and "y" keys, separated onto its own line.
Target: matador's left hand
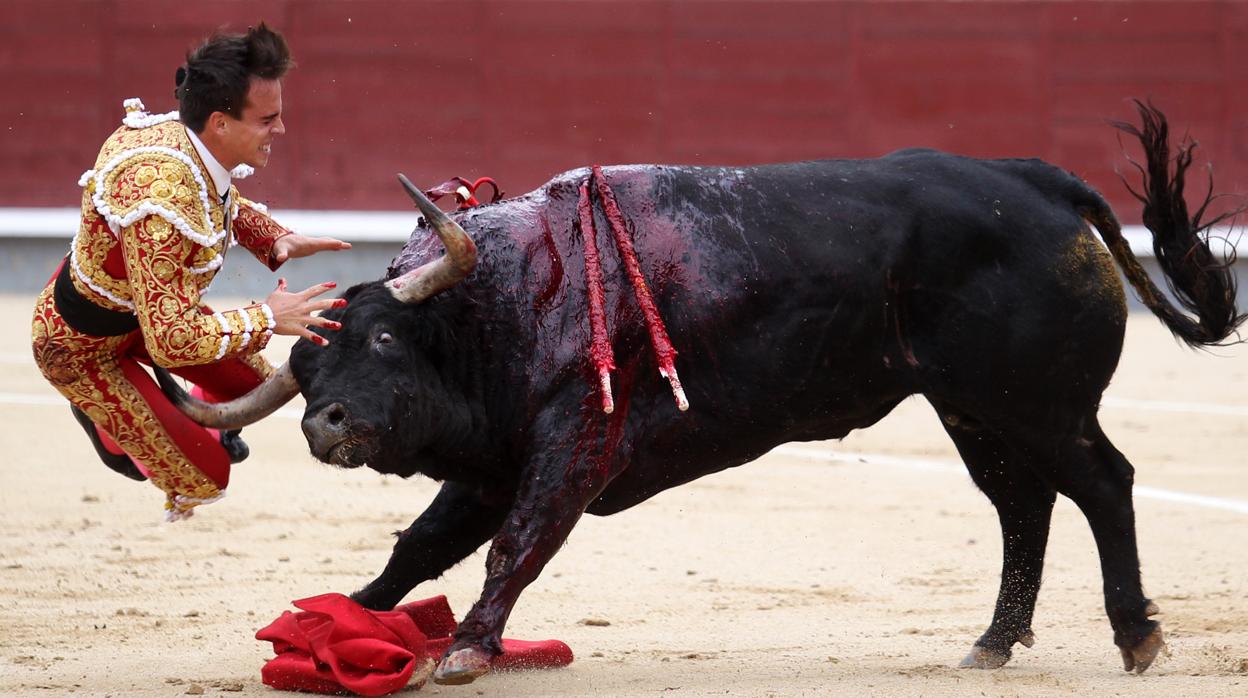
{"x": 296, "y": 245}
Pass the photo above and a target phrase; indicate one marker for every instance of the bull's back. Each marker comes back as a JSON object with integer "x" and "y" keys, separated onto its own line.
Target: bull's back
{"x": 807, "y": 299}
{"x": 794, "y": 252}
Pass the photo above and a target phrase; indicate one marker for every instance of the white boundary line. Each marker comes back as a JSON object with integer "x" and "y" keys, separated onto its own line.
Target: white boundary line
{"x": 1238, "y": 506}
{"x": 31, "y": 399}
{"x": 1181, "y": 407}
{"x": 926, "y": 464}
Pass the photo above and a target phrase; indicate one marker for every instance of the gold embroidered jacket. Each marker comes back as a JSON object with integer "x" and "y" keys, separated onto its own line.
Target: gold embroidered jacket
{"x": 154, "y": 234}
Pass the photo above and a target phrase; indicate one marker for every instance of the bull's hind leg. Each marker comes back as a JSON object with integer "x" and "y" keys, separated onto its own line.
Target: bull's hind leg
{"x": 1098, "y": 479}
{"x": 1024, "y": 506}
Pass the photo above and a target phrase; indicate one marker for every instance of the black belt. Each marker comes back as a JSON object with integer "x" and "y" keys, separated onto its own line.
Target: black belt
{"x": 85, "y": 316}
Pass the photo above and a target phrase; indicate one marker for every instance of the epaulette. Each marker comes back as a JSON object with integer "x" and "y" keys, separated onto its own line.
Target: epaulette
{"x": 147, "y": 168}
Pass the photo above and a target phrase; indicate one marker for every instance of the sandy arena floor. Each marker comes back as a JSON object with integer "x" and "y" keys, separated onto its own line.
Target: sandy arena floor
{"x": 864, "y": 567}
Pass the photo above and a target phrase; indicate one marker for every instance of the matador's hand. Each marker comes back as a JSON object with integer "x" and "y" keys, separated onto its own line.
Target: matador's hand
{"x": 292, "y": 312}
{"x": 296, "y": 245}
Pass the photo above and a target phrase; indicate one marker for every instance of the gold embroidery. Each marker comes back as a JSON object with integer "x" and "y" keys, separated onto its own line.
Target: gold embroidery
{"x": 170, "y": 173}
{"x": 161, "y": 189}
{"x": 55, "y": 362}
{"x": 257, "y": 232}
{"x": 168, "y": 309}
{"x": 124, "y": 190}
{"x": 160, "y": 229}
{"x": 179, "y": 339}
{"x": 144, "y": 176}
{"x": 203, "y": 256}
{"x": 167, "y": 306}
{"x": 235, "y": 321}
{"x": 92, "y": 247}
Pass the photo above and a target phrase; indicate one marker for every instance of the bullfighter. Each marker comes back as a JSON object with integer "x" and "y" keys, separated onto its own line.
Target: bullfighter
{"x": 159, "y": 213}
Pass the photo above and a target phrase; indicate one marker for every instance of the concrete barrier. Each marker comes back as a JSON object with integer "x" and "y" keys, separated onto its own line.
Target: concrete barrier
{"x": 33, "y": 240}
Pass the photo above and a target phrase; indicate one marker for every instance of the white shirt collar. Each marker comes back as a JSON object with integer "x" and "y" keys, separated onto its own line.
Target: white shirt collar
{"x": 220, "y": 175}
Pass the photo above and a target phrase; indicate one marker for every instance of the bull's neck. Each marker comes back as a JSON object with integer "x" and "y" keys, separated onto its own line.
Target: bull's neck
{"x": 480, "y": 370}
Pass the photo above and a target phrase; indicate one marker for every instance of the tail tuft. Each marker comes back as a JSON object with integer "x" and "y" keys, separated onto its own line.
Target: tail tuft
{"x": 1201, "y": 281}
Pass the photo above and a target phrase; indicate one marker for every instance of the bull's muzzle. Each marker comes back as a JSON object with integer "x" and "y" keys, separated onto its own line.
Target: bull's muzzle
{"x": 328, "y": 431}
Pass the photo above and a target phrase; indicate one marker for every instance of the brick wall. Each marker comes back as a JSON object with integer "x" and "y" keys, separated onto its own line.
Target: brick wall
{"x": 520, "y": 90}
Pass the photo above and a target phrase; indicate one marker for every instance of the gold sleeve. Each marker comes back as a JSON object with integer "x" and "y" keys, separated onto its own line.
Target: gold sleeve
{"x": 176, "y": 330}
{"x": 256, "y": 231}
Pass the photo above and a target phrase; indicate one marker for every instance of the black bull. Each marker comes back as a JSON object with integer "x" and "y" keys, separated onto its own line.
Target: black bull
{"x": 805, "y": 300}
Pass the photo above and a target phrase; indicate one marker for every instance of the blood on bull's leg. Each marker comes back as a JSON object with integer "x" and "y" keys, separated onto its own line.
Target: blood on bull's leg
{"x": 555, "y": 489}
{"x": 457, "y": 522}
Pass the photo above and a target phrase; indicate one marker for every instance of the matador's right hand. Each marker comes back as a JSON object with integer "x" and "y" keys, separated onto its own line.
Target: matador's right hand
{"x": 293, "y": 312}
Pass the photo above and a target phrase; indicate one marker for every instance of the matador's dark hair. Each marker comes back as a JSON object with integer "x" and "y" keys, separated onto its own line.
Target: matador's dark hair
{"x": 217, "y": 74}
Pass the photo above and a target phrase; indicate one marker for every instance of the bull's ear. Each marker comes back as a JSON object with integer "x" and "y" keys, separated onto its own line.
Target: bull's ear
{"x": 353, "y": 292}
{"x": 444, "y": 272}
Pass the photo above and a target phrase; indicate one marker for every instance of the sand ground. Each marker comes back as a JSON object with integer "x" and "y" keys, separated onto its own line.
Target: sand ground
{"x": 861, "y": 567}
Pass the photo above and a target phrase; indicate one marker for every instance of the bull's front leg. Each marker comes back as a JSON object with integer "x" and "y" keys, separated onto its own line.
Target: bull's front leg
{"x": 457, "y": 522}
{"x": 550, "y": 500}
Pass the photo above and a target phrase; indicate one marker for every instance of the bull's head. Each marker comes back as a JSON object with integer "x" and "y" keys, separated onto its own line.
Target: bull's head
{"x": 373, "y": 376}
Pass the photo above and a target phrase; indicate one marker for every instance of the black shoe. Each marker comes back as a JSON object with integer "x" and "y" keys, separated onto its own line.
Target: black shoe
{"x": 234, "y": 446}
{"x": 119, "y": 463}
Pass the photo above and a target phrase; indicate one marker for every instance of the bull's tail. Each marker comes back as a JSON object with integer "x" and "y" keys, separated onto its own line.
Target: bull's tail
{"x": 1203, "y": 282}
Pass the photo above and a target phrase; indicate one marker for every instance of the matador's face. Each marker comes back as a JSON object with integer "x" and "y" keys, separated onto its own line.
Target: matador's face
{"x": 249, "y": 138}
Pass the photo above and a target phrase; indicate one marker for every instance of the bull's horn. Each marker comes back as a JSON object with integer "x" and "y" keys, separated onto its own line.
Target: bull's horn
{"x": 444, "y": 272}
{"x": 262, "y": 401}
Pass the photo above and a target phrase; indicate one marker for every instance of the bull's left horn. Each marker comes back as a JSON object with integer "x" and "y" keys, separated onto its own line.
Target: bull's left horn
{"x": 436, "y": 276}
{"x": 262, "y": 401}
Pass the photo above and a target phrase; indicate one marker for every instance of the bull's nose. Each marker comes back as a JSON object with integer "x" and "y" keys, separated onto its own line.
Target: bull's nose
{"x": 325, "y": 427}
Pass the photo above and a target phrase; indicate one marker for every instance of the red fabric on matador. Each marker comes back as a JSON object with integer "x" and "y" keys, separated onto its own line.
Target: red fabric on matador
{"x": 153, "y": 234}
{"x": 335, "y": 645}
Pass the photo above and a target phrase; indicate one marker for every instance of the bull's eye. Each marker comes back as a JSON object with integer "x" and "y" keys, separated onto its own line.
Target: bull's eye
{"x": 385, "y": 338}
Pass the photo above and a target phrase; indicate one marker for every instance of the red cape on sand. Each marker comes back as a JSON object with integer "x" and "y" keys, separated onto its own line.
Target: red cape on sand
{"x": 334, "y": 645}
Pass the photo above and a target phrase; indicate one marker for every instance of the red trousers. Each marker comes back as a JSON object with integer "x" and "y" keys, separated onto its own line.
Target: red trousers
{"x": 102, "y": 377}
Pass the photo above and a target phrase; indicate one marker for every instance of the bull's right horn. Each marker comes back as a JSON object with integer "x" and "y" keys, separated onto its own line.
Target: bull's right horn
{"x": 442, "y": 273}
{"x": 262, "y": 401}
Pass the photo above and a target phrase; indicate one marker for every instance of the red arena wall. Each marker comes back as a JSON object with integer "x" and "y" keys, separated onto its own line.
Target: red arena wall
{"x": 520, "y": 90}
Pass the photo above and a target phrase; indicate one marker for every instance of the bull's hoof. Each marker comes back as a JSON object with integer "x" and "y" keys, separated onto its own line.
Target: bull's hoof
{"x": 421, "y": 675}
{"x": 981, "y": 657}
{"x": 234, "y": 446}
{"x": 984, "y": 658}
{"x": 462, "y": 666}
{"x": 1141, "y": 656}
